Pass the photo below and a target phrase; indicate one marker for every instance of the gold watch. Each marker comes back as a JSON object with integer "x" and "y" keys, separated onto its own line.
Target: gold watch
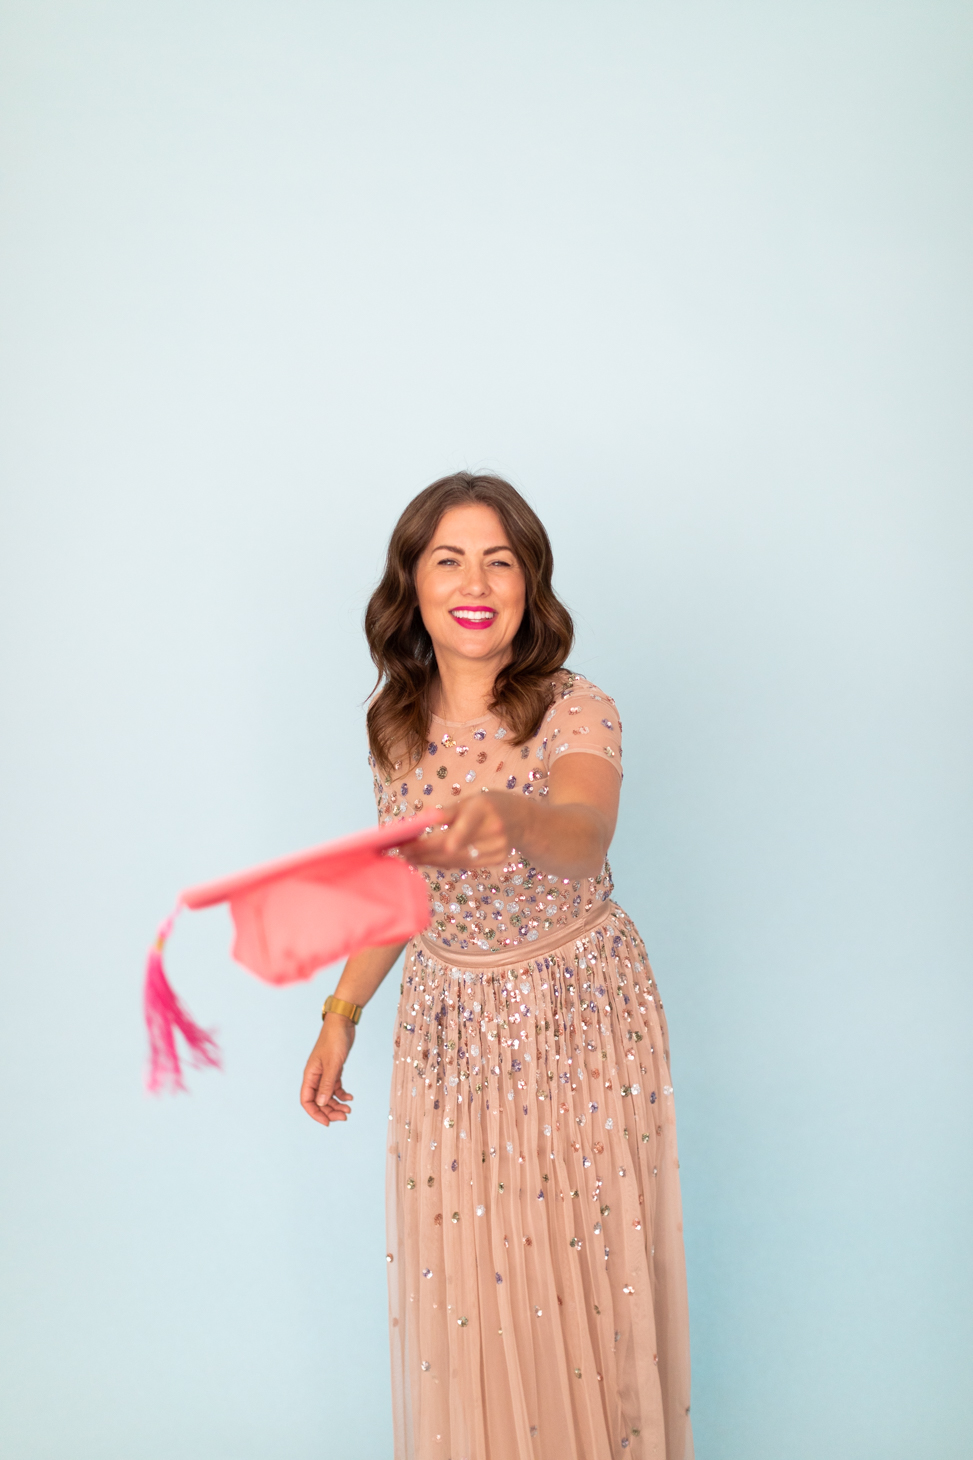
{"x": 333, "y": 1005}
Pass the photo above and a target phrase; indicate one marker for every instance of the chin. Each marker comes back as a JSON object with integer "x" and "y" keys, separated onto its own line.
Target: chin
{"x": 472, "y": 645}
{"x": 478, "y": 649}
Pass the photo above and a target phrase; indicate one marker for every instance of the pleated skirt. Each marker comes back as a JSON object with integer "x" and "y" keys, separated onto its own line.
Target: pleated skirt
{"x": 537, "y": 1285}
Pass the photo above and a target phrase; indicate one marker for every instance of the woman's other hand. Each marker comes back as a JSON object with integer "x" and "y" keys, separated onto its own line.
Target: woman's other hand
{"x": 323, "y": 1095}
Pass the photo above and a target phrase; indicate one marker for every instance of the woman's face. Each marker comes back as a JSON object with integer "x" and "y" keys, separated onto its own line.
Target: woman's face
{"x": 471, "y": 586}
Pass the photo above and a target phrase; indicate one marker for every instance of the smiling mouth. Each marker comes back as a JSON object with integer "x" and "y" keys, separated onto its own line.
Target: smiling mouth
{"x": 474, "y": 618}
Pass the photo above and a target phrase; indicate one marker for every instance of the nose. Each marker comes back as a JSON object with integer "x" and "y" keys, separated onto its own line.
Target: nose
{"x": 475, "y": 579}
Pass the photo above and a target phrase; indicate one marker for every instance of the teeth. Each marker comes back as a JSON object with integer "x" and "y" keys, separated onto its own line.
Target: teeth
{"x": 473, "y": 614}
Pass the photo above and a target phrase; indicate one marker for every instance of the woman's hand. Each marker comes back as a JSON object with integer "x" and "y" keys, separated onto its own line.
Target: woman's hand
{"x": 322, "y": 1093}
{"x": 484, "y": 829}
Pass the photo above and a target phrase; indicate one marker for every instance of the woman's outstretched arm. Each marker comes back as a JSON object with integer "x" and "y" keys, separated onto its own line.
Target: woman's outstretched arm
{"x": 568, "y": 832}
{"x": 322, "y": 1092}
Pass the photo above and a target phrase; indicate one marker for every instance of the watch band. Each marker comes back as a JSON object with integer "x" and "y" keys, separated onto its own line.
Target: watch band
{"x": 334, "y": 1005}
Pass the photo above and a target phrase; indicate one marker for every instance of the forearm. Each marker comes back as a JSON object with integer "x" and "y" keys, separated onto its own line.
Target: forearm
{"x": 567, "y": 840}
{"x": 364, "y": 971}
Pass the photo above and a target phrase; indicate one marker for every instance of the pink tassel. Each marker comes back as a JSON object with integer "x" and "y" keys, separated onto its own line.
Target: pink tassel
{"x": 164, "y": 1014}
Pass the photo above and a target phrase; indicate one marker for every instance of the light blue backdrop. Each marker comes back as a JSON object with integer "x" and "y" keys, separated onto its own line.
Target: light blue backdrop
{"x": 697, "y": 277}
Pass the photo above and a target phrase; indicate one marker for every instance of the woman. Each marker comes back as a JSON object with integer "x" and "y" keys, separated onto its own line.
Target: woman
{"x": 537, "y": 1278}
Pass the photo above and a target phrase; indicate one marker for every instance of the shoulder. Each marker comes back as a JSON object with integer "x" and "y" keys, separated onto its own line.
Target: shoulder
{"x": 581, "y": 717}
{"x": 569, "y": 686}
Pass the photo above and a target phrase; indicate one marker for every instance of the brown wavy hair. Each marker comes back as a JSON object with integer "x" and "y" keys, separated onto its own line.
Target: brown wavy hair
{"x": 399, "y": 714}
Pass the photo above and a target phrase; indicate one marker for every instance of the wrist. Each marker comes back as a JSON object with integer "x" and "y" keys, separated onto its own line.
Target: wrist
{"x": 339, "y": 1008}
{"x": 521, "y": 820}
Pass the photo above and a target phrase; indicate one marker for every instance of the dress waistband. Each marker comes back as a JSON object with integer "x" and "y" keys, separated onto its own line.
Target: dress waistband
{"x": 524, "y": 952}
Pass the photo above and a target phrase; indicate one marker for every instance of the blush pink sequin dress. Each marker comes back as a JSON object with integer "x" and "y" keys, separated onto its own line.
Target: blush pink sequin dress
{"x": 537, "y": 1280}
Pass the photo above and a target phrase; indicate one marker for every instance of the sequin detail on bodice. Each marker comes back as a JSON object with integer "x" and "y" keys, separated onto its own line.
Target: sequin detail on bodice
{"x": 481, "y": 909}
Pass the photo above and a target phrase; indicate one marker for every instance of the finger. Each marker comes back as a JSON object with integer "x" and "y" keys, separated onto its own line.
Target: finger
{"x": 417, "y": 846}
{"x": 467, "y": 824}
{"x": 480, "y": 817}
{"x": 319, "y": 1116}
{"x": 312, "y": 1108}
{"x": 331, "y": 1110}
{"x": 339, "y": 1100}
{"x": 311, "y": 1082}
{"x": 323, "y": 1093}
{"x": 326, "y": 1089}
{"x": 462, "y": 842}
{"x": 424, "y": 850}
{"x": 443, "y": 819}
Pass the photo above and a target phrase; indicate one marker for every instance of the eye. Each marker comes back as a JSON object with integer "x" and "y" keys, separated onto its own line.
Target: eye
{"x": 446, "y": 563}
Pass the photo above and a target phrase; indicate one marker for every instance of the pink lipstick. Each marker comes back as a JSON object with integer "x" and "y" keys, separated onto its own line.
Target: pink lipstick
{"x": 469, "y": 617}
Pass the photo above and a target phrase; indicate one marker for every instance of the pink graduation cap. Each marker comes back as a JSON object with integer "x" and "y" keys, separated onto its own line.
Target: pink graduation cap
{"x": 292, "y": 917}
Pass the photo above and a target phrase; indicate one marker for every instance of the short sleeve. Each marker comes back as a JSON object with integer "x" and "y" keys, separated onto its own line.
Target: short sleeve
{"x": 379, "y": 790}
{"x": 398, "y": 793}
{"x": 582, "y": 719}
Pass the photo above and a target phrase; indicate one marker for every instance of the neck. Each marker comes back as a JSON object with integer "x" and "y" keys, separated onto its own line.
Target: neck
{"x": 465, "y": 686}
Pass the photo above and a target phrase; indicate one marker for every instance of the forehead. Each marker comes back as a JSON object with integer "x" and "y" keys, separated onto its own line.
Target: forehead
{"x": 473, "y": 526}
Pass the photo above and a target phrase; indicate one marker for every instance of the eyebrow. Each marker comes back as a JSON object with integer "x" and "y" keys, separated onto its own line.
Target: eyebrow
{"x": 448, "y": 547}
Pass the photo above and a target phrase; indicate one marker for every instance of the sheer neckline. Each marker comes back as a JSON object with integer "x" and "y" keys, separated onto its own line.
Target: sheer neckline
{"x": 462, "y": 724}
